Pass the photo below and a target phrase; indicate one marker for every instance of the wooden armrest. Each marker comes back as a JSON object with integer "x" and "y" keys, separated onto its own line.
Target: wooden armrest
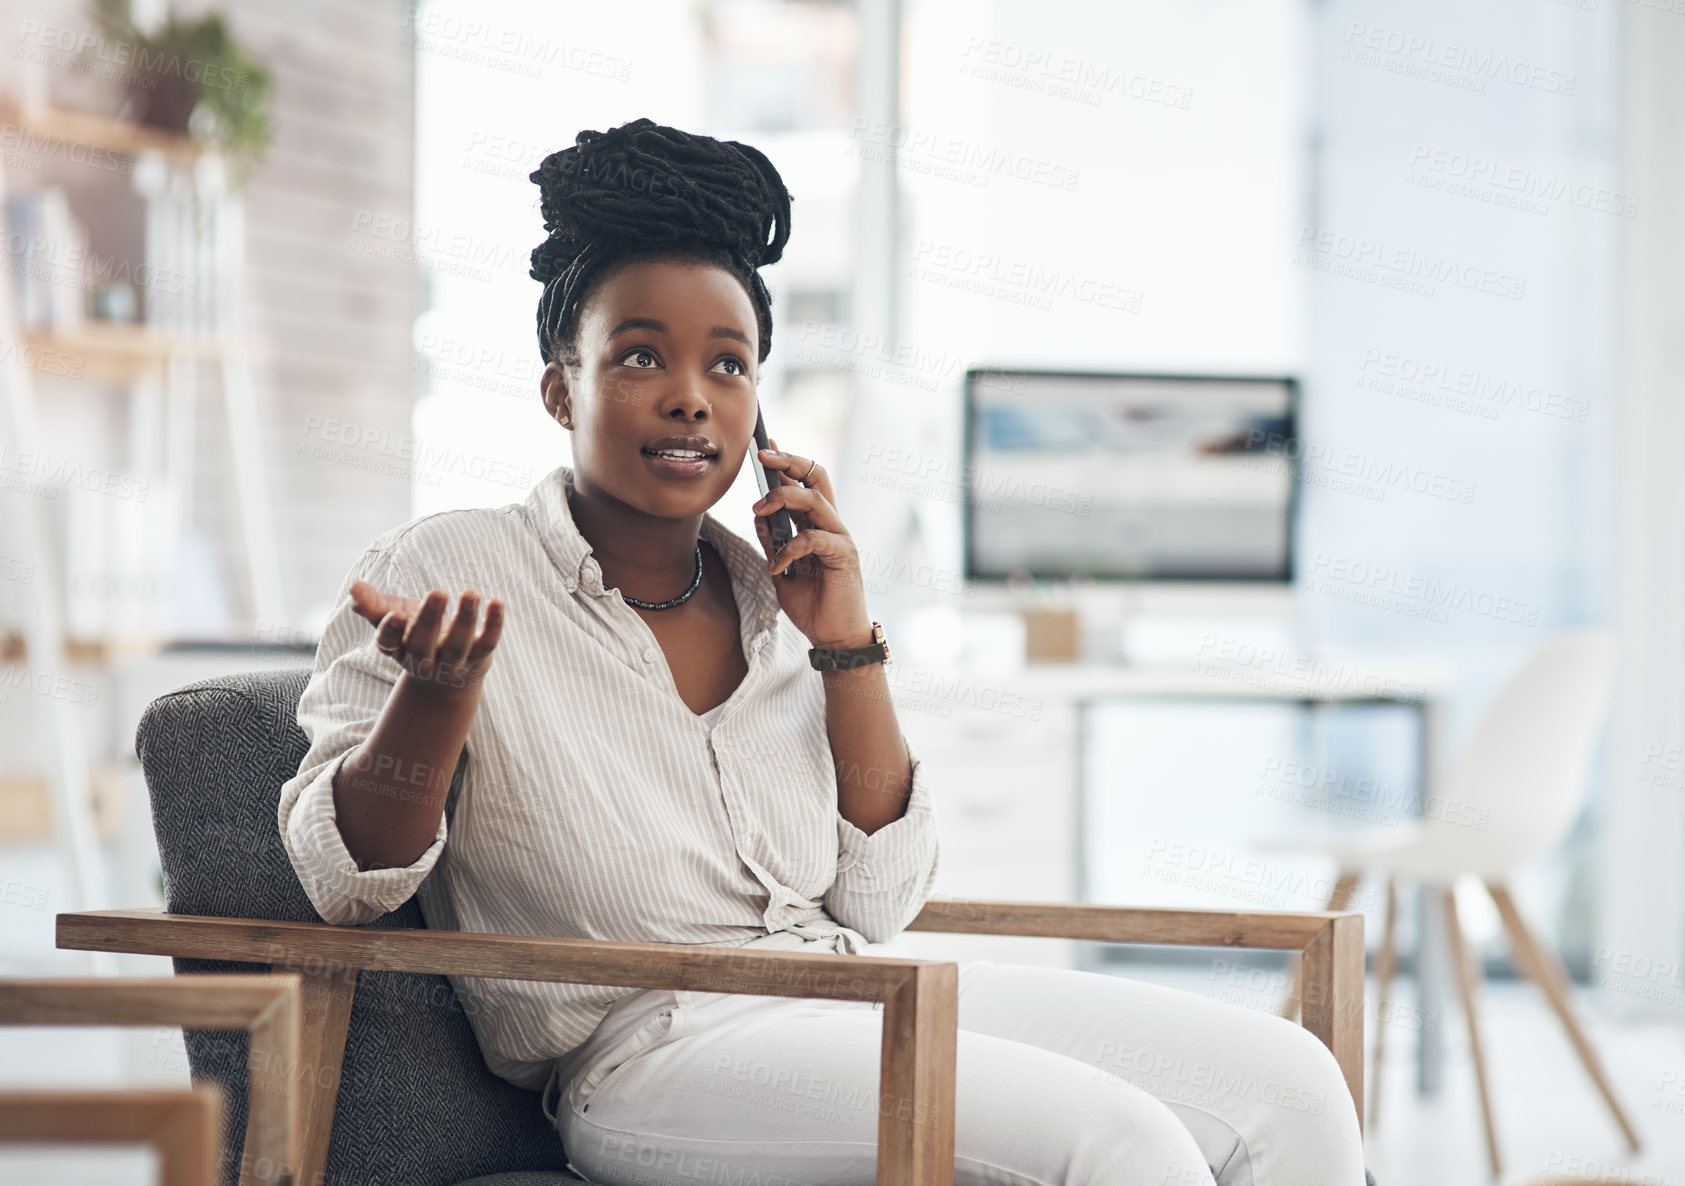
{"x": 320, "y": 949}
{"x": 268, "y": 1007}
{"x": 1330, "y": 944}
{"x": 1128, "y": 924}
{"x": 183, "y": 1126}
{"x": 920, "y": 1000}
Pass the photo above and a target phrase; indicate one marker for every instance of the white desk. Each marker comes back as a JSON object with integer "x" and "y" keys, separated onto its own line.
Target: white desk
{"x": 988, "y": 735}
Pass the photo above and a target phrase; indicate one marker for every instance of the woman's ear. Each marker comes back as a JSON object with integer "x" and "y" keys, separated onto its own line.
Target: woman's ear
{"x": 553, "y": 387}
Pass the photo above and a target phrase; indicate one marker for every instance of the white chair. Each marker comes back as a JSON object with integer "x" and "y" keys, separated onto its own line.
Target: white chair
{"x": 1513, "y": 796}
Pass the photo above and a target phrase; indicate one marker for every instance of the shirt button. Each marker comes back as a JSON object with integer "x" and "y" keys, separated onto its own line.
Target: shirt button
{"x": 649, "y": 654}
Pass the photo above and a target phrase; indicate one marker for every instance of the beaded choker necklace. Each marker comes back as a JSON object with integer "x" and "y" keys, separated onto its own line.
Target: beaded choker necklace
{"x": 695, "y": 583}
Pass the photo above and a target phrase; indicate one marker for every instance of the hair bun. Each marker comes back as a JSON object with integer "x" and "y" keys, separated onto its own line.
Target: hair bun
{"x": 646, "y": 185}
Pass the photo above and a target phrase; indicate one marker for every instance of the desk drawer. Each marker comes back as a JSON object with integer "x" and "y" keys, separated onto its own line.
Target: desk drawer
{"x": 944, "y": 730}
{"x": 1012, "y": 812}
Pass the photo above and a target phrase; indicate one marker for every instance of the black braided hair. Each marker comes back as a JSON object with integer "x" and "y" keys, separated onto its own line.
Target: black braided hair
{"x": 644, "y": 191}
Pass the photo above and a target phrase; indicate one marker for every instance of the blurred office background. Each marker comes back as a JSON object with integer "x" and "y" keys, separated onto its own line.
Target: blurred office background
{"x": 1421, "y": 258}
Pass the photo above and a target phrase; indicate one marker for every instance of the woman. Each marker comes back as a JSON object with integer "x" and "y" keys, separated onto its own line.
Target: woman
{"x": 655, "y": 757}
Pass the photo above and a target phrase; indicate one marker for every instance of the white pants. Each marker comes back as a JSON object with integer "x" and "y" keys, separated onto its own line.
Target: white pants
{"x": 1065, "y": 1078}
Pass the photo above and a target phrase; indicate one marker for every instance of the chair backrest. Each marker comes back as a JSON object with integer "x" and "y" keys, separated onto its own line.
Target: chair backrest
{"x": 1518, "y": 787}
{"x": 417, "y": 1104}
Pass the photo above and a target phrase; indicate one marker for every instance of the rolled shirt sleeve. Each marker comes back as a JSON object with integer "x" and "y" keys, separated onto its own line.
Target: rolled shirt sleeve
{"x": 884, "y": 880}
{"x": 348, "y": 688}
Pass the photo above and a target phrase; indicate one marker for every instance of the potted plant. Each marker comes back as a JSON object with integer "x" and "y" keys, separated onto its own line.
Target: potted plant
{"x": 191, "y": 77}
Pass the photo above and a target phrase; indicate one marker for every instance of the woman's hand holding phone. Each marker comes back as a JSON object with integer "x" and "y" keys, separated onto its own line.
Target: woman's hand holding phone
{"x": 450, "y": 659}
{"x": 825, "y": 596}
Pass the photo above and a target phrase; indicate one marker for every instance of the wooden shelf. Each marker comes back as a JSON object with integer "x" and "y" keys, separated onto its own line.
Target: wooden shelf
{"x": 49, "y": 142}
{"x": 26, "y": 812}
{"x": 126, "y": 349}
{"x": 101, "y": 131}
{"x": 111, "y": 650}
{"x": 14, "y": 648}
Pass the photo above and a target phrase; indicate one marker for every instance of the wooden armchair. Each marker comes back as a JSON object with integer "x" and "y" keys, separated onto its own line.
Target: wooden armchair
{"x": 392, "y": 1086}
{"x": 180, "y": 1125}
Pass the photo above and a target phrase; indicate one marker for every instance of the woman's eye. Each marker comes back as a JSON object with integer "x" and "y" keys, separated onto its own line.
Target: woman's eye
{"x": 640, "y": 354}
{"x": 734, "y": 362}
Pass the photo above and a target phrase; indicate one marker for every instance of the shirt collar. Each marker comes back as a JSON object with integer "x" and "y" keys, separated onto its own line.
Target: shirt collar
{"x": 551, "y": 519}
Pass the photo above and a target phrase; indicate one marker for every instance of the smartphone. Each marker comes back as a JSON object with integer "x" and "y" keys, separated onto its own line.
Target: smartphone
{"x": 783, "y": 528}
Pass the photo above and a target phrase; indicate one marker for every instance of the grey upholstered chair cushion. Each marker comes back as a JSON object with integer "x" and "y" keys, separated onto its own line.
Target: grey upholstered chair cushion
{"x": 417, "y": 1105}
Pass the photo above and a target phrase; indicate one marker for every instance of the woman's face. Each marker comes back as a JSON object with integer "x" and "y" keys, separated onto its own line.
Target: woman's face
{"x": 667, "y": 351}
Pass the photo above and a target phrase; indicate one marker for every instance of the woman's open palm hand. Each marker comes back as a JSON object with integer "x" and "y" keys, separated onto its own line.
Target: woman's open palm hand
{"x": 451, "y": 657}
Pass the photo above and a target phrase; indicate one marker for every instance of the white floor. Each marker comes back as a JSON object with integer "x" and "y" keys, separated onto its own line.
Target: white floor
{"x": 1550, "y": 1120}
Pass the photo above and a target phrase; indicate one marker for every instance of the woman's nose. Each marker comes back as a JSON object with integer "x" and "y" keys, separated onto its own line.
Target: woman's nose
{"x": 690, "y": 404}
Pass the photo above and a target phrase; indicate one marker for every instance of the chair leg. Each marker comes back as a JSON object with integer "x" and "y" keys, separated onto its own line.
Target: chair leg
{"x": 1540, "y": 964}
{"x": 1338, "y": 898}
{"x": 328, "y": 995}
{"x": 1469, "y": 975}
{"x": 1386, "y": 965}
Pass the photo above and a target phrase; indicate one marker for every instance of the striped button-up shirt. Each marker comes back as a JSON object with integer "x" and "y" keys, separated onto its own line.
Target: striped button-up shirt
{"x": 590, "y": 801}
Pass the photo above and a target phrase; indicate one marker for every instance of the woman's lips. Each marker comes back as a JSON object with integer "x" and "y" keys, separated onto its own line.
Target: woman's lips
{"x": 673, "y": 467}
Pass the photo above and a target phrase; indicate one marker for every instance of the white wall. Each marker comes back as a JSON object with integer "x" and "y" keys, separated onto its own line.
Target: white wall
{"x": 1641, "y": 935}
{"x": 500, "y": 86}
{"x": 1087, "y": 186}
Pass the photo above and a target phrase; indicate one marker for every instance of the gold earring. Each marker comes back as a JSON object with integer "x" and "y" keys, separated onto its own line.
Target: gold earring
{"x": 566, "y": 420}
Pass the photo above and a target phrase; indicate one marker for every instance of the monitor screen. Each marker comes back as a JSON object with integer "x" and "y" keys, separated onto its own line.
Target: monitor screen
{"x": 1155, "y": 477}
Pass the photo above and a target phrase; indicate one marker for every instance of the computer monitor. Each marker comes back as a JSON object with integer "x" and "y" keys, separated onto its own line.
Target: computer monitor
{"x": 1128, "y": 477}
